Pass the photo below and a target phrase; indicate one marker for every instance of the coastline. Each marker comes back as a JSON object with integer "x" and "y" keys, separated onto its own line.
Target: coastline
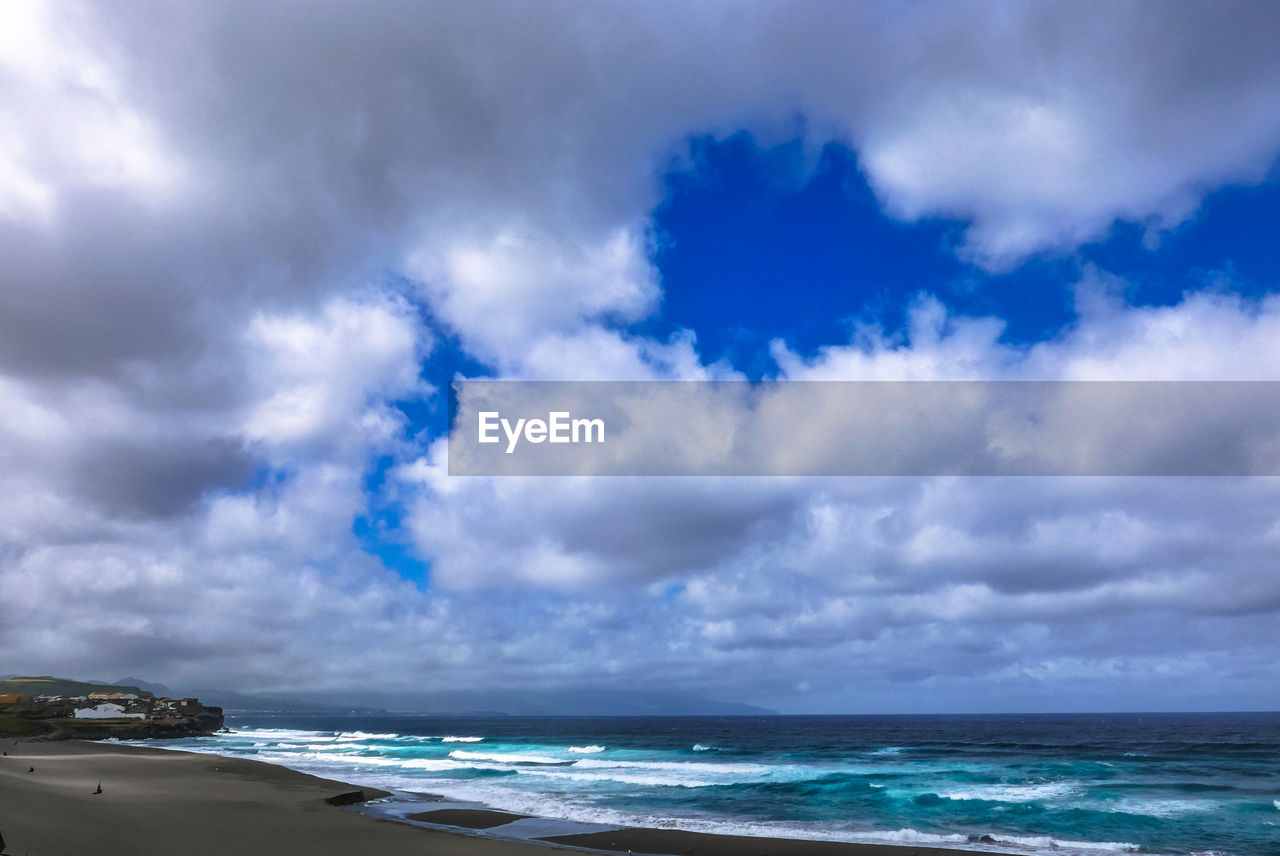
{"x": 156, "y": 802}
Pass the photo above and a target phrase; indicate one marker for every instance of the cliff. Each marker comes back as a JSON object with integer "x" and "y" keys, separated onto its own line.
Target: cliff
{"x": 206, "y": 720}
{"x": 58, "y": 708}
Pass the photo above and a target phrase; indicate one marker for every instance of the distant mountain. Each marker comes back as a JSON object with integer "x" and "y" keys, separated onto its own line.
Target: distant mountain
{"x": 159, "y": 690}
{"x": 49, "y": 685}
{"x": 276, "y": 703}
{"x": 574, "y": 702}
{"x": 557, "y": 702}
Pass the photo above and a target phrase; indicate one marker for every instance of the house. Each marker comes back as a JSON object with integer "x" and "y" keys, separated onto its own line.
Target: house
{"x": 185, "y": 706}
{"x": 14, "y": 698}
{"x": 107, "y": 711}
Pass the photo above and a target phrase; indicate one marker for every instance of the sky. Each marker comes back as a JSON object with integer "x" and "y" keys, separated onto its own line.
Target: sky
{"x": 247, "y": 246}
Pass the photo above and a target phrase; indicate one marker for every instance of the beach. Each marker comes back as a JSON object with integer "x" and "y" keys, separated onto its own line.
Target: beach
{"x": 164, "y": 803}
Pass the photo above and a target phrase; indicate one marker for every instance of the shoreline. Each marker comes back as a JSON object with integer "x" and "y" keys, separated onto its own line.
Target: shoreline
{"x": 156, "y": 802}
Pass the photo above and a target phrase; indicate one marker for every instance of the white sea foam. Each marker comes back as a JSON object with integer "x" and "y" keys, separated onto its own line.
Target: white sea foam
{"x": 461, "y": 739}
{"x": 364, "y": 735}
{"x": 286, "y": 734}
{"x": 1161, "y": 808}
{"x": 699, "y": 747}
{"x": 690, "y": 766}
{"x": 687, "y": 774}
{"x": 1040, "y": 842}
{"x": 1034, "y": 842}
{"x": 339, "y": 759}
{"x": 345, "y": 764}
{"x": 649, "y": 780}
{"x": 521, "y": 801}
{"x": 586, "y": 750}
{"x": 1276, "y": 803}
{"x": 275, "y": 731}
{"x": 1013, "y": 793}
{"x": 913, "y": 836}
{"x": 447, "y": 764}
{"x": 504, "y": 757}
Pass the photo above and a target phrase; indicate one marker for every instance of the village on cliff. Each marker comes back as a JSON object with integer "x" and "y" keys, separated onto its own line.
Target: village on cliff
{"x": 61, "y": 708}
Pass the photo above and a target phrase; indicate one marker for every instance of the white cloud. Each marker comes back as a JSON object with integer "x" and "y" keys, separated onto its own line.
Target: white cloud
{"x": 1213, "y": 334}
{"x": 518, "y": 287}
{"x": 331, "y": 376}
{"x": 70, "y": 126}
{"x": 1041, "y": 127}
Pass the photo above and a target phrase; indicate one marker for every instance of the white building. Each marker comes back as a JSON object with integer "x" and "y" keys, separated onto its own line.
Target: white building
{"x": 107, "y": 711}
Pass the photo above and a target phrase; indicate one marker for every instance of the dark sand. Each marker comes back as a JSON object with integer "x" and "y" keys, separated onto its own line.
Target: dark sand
{"x": 156, "y": 802}
{"x": 468, "y": 818}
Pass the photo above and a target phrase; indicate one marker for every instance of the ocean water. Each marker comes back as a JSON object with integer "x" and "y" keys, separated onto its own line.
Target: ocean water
{"x": 1075, "y": 784}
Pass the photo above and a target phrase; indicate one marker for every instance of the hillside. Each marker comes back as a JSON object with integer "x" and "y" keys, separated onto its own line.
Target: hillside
{"x": 48, "y": 685}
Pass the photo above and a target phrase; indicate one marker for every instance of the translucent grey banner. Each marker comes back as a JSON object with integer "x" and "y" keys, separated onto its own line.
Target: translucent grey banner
{"x": 865, "y": 428}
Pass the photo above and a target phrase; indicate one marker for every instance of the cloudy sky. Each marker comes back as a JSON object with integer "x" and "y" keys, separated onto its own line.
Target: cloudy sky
{"x": 246, "y": 247}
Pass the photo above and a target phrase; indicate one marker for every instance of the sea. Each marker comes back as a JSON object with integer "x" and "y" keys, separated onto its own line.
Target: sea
{"x": 1062, "y": 784}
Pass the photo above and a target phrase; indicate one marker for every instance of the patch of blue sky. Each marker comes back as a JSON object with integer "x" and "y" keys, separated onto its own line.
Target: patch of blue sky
{"x": 1229, "y": 242}
{"x": 757, "y": 243}
{"x": 380, "y": 530}
{"x": 381, "y": 536}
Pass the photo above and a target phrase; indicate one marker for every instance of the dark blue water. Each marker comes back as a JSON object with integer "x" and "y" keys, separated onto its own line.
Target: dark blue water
{"x": 1151, "y": 783}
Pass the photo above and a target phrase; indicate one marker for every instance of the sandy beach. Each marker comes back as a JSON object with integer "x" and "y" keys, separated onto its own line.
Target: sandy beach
{"x": 156, "y": 802}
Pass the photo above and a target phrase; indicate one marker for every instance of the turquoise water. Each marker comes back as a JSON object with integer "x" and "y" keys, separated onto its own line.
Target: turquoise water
{"x": 1203, "y": 783}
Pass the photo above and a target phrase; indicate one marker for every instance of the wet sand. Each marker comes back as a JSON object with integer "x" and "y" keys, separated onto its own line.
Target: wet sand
{"x": 465, "y": 818}
{"x": 156, "y": 802}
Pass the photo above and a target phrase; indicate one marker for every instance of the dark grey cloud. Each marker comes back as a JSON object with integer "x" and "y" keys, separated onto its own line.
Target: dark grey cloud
{"x": 161, "y": 481}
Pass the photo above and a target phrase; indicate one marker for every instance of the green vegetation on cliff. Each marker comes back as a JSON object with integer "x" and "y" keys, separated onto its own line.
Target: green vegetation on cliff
{"x": 11, "y": 725}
